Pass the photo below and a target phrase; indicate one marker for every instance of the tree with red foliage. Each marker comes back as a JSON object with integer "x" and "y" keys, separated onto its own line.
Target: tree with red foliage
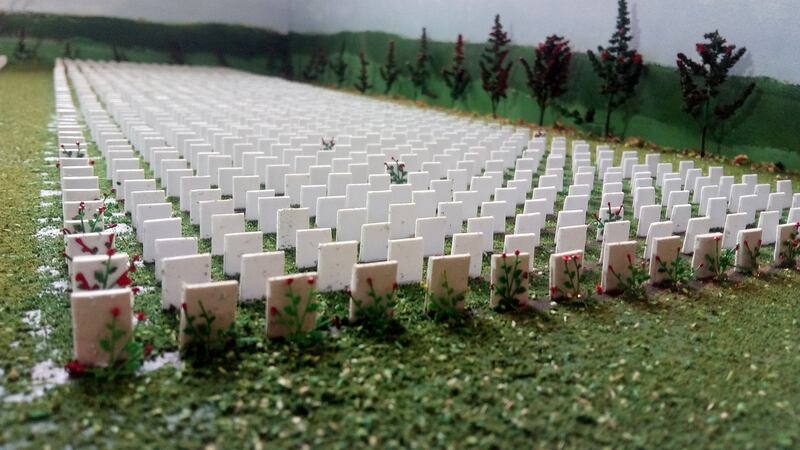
{"x": 389, "y": 71}
{"x": 363, "y": 77}
{"x": 456, "y": 76}
{"x": 618, "y": 66}
{"x": 494, "y": 72}
{"x": 701, "y": 82}
{"x": 547, "y": 79}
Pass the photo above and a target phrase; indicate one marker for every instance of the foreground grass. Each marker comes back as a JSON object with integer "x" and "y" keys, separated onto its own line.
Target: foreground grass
{"x": 713, "y": 368}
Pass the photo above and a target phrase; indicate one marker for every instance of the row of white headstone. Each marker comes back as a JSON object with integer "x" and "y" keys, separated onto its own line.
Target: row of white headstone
{"x": 267, "y": 157}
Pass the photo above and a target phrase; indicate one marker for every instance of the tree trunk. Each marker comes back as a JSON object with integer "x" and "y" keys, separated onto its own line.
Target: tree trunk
{"x": 703, "y": 141}
{"x": 607, "y": 127}
{"x": 541, "y": 114}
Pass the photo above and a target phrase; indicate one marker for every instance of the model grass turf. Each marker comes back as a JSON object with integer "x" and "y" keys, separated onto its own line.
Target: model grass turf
{"x": 711, "y": 368}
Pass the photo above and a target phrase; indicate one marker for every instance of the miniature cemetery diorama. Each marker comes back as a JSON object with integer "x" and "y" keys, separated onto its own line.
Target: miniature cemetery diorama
{"x": 275, "y": 210}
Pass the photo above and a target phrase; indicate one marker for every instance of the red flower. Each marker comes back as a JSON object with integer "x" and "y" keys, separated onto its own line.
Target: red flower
{"x": 394, "y": 286}
{"x": 183, "y": 306}
{"x": 700, "y": 48}
{"x": 503, "y": 255}
{"x": 516, "y": 252}
{"x": 565, "y": 258}
{"x": 110, "y": 252}
{"x": 136, "y": 289}
{"x": 273, "y": 311}
{"x": 113, "y": 191}
{"x": 148, "y": 349}
{"x": 717, "y": 238}
{"x": 369, "y": 281}
{"x": 81, "y": 206}
{"x": 115, "y": 311}
{"x": 311, "y": 280}
{"x": 553, "y": 290}
{"x": 288, "y": 281}
{"x": 637, "y": 59}
{"x": 736, "y": 249}
{"x": 91, "y": 163}
{"x": 74, "y": 367}
{"x": 598, "y": 289}
{"x": 124, "y": 280}
{"x": 658, "y": 258}
{"x": 525, "y": 275}
{"x": 141, "y": 316}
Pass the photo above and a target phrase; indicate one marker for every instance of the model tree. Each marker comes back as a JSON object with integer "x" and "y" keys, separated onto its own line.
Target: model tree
{"x": 547, "y": 78}
{"x": 420, "y": 70}
{"x": 339, "y": 67}
{"x": 389, "y": 71}
{"x": 494, "y": 70}
{"x": 363, "y": 77}
{"x": 701, "y": 83}
{"x": 618, "y": 66}
{"x": 315, "y": 68}
{"x": 456, "y": 76}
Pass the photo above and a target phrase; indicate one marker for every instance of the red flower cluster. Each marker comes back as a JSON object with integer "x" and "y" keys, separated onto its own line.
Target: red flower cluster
{"x": 74, "y": 368}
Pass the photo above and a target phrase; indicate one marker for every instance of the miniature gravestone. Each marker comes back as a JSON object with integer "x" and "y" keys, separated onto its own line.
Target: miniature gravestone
{"x": 288, "y": 305}
{"x": 657, "y": 230}
{"x": 308, "y": 242}
{"x": 526, "y": 243}
{"x": 447, "y": 280}
{"x": 749, "y": 246}
{"x": 222, "y": 224}
{"x": 349, "y": 222}
{"x": 370, "y": 283}
{"x": 209, "y": 209}
{"x": 218, "y": 300}
{"x": 570, "y": 239}
{"x": 665, "y": 251}
{"x": 432, "y": 230}
{"x": 469, "y": 244}
{"x": 93, "y": 312}
{"x": 335, "y": 265}
{"x": 268, "y": 208}
{"x": 504, "y": 265}
{"x": 289, "y": 221}
{"x": 707, "y": 249}
{"x": 617, "y": 260}
{"x": 256, "y": 269}
{"x": 170, "y": 247}
{"x": 237, "y": 244}
{"x": 696, "y": 226}
{"x": 158, "y": 229}
{"x": 409, "y": 254}
{"x": 485, "y": 226}
{"x": 787, "y": 235}
{"x": 374, "y": 242}
{"x": 402, "y": 219}
{"x": 565, "y": 275}
{"x": 177, "y": 270}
